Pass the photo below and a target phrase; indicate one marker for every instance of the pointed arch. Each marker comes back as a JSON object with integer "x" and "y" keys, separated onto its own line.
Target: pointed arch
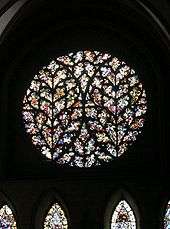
{"x": 122, "y": 212}
{"x": 56, "y": 218}
{"x": 7, "y": 213}
{"x": 51, "y": 212}
{"x": 123, "y": 216}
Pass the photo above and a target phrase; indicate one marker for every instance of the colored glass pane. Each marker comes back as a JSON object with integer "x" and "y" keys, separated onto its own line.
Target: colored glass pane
{"x": 55, "y": 218}
{"x": 123, "y": 217}
{"x": 7, "y": 220}
{"x": 84, "y": 108}
{"x": 167, "y": 217}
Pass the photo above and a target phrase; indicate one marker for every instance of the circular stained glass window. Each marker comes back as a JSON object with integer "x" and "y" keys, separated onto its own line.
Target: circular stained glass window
{"x": 84, "y": 108}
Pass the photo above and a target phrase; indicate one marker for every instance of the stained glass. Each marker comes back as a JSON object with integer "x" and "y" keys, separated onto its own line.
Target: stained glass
{"x": 167, "y": 217}
{"x": 7, "y": 220}
{"x": 84, "y": 108}
{"x": 55, "y": 218}
{"x": 123, "y": 217}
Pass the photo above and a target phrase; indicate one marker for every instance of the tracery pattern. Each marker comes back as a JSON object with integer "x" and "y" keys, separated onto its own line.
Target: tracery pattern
{"x": 55, "y": 218}
{"x": 123, "y": 217}
{"x": 84, "y": 108}
{"x": 7, "y": 220}
{"x": 167, "y": 217}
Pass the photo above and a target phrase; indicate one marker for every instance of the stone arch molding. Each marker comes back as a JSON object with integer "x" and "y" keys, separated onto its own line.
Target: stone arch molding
{"x": 9, "y": 10}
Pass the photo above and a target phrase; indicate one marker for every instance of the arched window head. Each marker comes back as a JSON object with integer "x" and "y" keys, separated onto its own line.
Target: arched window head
{"x": 7, "y": 219}
{"x": 167, "y": 217}
{"x": 123, "y": 217}
{"x": 84, "y": 108}
{"x": 56, "y": 218}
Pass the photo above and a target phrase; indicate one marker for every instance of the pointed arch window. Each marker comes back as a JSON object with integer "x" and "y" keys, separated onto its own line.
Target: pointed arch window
{"x": 7, "y": 219}
{"x": 167, "y": 217}
{"x": 56, "y": 218}
{"x": 123, "y": 217}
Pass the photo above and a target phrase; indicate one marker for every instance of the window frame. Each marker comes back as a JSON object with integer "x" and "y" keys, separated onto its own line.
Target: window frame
{"x": 113, "y": 203}
{"x": 43, "y": 205}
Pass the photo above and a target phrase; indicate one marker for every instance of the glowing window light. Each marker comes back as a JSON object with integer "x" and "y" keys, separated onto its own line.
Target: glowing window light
{"x": 6, "y": 218}
{"x": 56, "y": 218}
{"x": 123, "y": 217}
{"x": 167, "y": 217}
{"x": 84, "y": 108}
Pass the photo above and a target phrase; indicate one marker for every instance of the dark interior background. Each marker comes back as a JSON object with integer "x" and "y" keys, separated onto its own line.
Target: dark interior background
{"x": 46, "y": 29}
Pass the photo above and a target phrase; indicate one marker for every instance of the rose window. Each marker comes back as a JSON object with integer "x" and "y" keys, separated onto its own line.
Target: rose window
{"x": 84, "y": 108}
